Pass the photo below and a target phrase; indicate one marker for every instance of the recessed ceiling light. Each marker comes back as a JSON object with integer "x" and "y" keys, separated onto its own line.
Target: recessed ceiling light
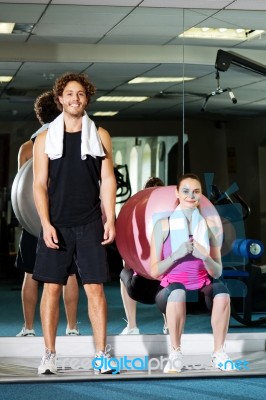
{"x": 159, "y": 79}
{"x": 105, "y": 113}
{"x": 221, "y": 33}
{"x": 5, "y": 79}
{"x": 133, "y": 99}
{"x": 6, "y": 27}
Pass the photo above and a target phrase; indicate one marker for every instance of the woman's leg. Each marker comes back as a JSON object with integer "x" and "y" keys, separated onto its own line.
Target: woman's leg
{"x": 130, "y": 307}
{"x": 220, "y": 319}
{"x": 176, "y": 316}
{"x": 171, "y": 301}
{"x": 217, "y": 299}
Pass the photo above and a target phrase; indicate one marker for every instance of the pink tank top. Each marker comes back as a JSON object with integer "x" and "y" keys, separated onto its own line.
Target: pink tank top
{"x": 189, "y": 271}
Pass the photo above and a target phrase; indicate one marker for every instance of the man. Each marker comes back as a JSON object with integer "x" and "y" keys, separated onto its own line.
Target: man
{"x": 76, "y": 160}
{"x": 46, "y": 111}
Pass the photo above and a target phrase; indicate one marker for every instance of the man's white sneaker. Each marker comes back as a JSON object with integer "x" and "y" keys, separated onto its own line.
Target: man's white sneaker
{"x": 130, "y": 331}
{"x": 175, "y": 361}
{"x": 48, "y": 364}
{"x": 26, "y": 332}
{"x": 103, "y": 363}
{"x": 222, "y": 361}
{"x": 72, "y": 332}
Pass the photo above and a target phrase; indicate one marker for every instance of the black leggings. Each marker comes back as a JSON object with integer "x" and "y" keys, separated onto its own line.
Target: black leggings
{"x": 209, "y": 292}
{"x": 139, "y": 288}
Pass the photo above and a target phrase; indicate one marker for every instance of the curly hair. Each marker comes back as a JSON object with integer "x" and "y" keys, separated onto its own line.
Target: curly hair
{"x": 152, "y": 182}
{"x": 63, "y": 80}
{"x": 45, "y": 107}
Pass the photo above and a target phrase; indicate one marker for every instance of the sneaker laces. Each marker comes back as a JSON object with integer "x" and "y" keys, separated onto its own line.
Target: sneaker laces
{"x": 177, "y": 350}
{"x": 221, "y": 352}
{"x": 105, "y": 352}
{"x": 220, "y": 355}
{"x": 48, "y": 355}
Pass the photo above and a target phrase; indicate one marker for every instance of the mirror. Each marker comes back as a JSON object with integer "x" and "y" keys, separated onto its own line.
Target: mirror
{"x": 226, "y": 139}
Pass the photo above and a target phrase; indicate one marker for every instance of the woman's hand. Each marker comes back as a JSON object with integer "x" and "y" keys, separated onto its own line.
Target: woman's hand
{"x": 183, "y": 250}
{"x": 199, "y": 251}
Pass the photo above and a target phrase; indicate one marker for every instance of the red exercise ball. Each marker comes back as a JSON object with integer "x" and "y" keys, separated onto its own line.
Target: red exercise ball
{"x": 137, "y": 217}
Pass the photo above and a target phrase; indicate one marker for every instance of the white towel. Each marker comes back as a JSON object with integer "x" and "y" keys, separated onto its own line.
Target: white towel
{"x": 179, "y": 232}
{"x": 40, "y": 130}
{"x": 90, "y": 140}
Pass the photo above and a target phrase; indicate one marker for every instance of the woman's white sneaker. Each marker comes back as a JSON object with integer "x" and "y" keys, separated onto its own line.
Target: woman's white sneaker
{"x": 175, "y": 361}
{"x": 222, "y": 361}
{"x": 26, "y": 332}
{"x": 130, "y": 331}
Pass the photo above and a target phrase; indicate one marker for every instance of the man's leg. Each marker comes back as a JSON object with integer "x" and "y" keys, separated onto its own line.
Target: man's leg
{"x": 50, "y": 313}
{"x": 29, "y": 297}
{"x": 71, "y": 298}
{"x": 49, "y": 317}
{"x": 97, "y": 311}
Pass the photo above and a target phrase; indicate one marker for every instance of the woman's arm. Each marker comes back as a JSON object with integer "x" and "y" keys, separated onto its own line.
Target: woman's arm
{"x": 160, "y": 266}
{"x": 212, "y": 261}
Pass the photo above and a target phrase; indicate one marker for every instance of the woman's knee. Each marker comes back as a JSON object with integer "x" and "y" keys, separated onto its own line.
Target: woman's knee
{"x": 172, "y": 293}
{"x": 177, "y": 296}
{"x": 222, "y": 299}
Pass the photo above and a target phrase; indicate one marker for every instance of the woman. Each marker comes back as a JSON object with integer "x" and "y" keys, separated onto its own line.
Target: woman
{"x": 186, "y": 257}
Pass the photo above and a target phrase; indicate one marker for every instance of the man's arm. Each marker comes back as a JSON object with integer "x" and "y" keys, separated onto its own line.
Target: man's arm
{"x": 108, "y": 188}
{"x": 40, "y": 190}
{"x": 25, "y": 153}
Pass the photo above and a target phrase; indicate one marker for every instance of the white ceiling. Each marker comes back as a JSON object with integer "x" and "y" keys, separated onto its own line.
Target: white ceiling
{"x": 114, "y": 41}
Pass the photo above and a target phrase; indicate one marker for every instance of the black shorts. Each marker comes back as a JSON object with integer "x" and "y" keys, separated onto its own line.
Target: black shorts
{"x": 139, "y": 288}
{"x": 26, "y": 256}
{"x": 81, "y": 243}
{"x": 192, "y": 296}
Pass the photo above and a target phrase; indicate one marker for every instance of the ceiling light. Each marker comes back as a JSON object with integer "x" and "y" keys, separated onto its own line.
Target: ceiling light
{"x": 221, "y": 33}
{"x": 6, "y": 27}
{"x": 49, "y": 76}
{"x": 105, "y": 113}
{"x": 5, "y": 79}
{"x": 133, "y": 99}
{"x": 20, "y": 29}
{"x": 159, "y": 79}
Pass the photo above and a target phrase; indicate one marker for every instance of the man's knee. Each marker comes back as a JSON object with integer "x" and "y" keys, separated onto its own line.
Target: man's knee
{"x": 94, "y": 290}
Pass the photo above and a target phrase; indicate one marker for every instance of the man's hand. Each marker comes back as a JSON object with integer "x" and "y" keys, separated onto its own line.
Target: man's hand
{"x": 50, "y": 237}
{"x": 109, "y": 233}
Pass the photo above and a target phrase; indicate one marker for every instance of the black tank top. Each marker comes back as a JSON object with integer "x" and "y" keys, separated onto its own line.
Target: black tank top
{"x": 74, "y": 191}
